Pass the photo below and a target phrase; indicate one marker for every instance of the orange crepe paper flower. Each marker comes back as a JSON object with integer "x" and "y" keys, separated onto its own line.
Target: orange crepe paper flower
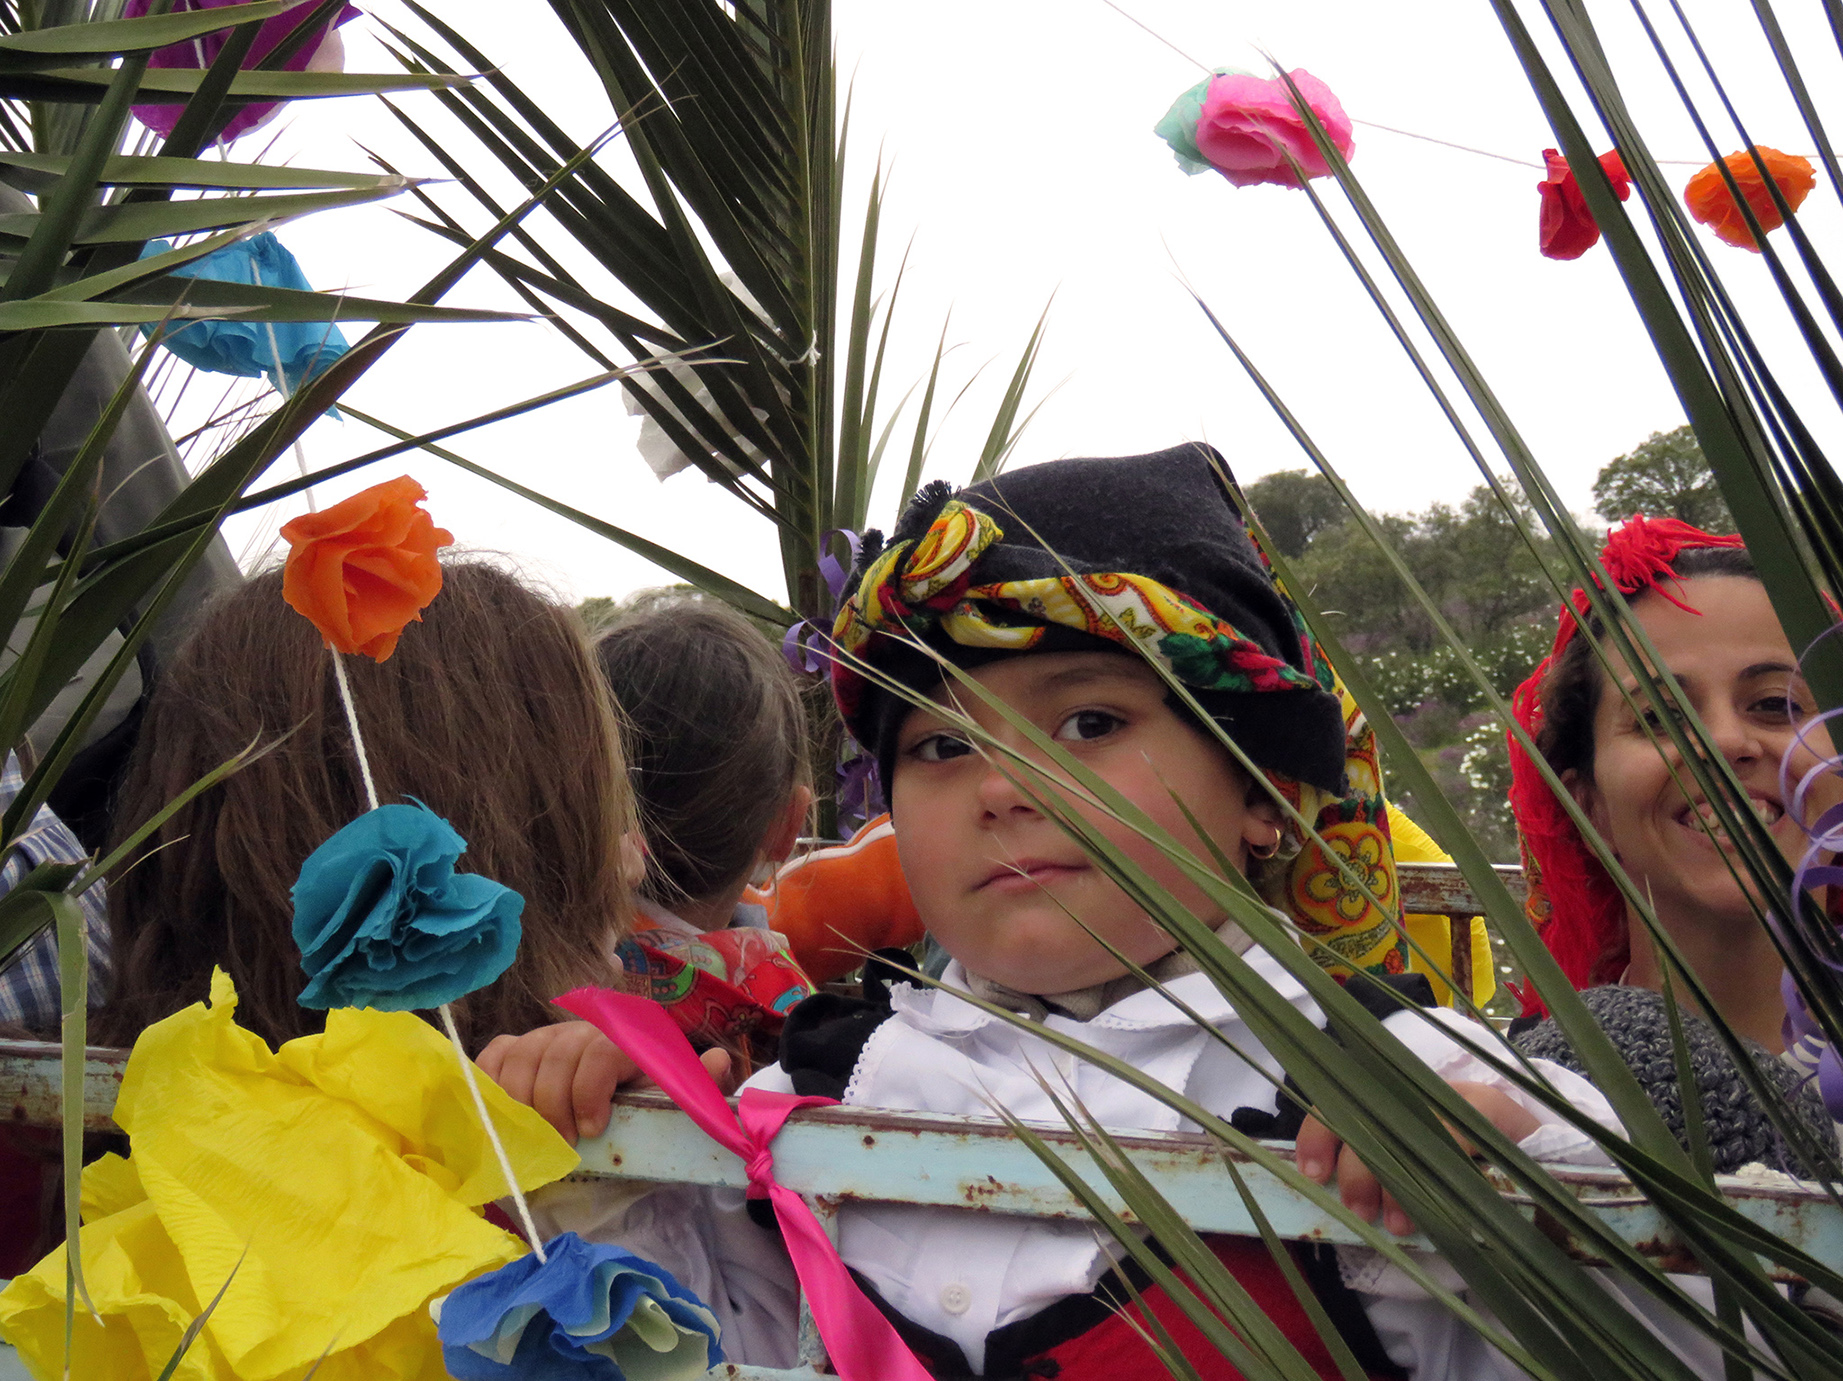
{"x": 1710, "y": 201}
{"x": 363, "y": 569}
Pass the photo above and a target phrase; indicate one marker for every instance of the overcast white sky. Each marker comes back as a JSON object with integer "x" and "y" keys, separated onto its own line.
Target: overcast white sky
{"x": 1024, "y": 168}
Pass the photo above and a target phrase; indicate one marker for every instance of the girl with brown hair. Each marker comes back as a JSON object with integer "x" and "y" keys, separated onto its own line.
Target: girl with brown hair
{"x": 490, "y": 712}
{"x": 716, "y": 738}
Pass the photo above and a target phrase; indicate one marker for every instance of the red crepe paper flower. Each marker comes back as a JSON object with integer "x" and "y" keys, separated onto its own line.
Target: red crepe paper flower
{"x": 1249, "y": 125}
{"x": 1568, "y": 227}
{"x": 363, "y": 570}
{"x": 1710, "y": 201}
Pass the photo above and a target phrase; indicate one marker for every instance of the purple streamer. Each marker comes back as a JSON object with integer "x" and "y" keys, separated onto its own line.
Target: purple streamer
{"x": 808, "y": 650}
{"x": 1805, "y": 1041}
{"x": 807, "y": 647}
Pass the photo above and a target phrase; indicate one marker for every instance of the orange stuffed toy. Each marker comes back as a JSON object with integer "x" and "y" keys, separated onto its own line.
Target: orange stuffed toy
{"x": 836, "y": 904}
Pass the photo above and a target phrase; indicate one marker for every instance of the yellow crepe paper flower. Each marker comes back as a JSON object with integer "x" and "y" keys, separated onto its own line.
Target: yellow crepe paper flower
{"x": 340, "y": 1179}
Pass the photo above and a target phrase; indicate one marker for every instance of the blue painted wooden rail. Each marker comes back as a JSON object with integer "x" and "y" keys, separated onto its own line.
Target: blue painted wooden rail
{"x": 835, "y": 1156}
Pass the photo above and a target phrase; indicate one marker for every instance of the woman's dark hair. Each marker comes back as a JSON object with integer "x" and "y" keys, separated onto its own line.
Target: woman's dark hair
{"x": 1571, "y": 691}
{"x": 490, "y": 712}
{"x": 716, "y": 735}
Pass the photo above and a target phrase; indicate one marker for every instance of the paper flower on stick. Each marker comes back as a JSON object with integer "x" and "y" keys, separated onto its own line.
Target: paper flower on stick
{"x": 322, "y": 53}
{"x": 1568, "y": 228}
{"x": 1248, "y": 129}
{"x": 1710, "y": 201}
{"x": 364, "y": 569}
{"x": 291, "y": 353}
{"x": 383, "y": 920}
{"x": 587, "y": 1311}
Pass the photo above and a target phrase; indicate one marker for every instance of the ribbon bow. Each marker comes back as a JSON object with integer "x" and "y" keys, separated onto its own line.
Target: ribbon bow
{"x": 860, "y": 1341}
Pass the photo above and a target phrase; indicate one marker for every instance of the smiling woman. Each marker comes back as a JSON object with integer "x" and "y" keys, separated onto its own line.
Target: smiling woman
{"x": 1709, "y": 619}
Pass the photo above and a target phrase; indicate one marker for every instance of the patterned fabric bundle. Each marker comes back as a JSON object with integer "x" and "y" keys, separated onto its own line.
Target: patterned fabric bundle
{"x": 730, "y": 988}
{"x": 1573, "y": 902}
{"x": 1149, "y": 555}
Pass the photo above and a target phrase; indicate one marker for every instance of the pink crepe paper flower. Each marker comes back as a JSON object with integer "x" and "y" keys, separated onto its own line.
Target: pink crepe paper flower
{"x": 1249, "y": 126}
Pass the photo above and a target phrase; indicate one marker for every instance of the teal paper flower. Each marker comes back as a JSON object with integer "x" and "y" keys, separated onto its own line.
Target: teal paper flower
{"x": 587, "y": 1313}
{"x": 291, "y": 353}
{"x": 384, "y": 921}
{"x": 1179, "y": 127}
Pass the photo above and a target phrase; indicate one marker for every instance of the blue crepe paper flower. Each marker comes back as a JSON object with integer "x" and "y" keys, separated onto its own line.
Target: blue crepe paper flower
{"x": 384, "y": 921}
{"x": 587, "y": 1312}
{"x": 291, "y": 353}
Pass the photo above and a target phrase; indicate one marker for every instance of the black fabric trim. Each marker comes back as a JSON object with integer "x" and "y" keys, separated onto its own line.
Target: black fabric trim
{"x": 1009, "y": 1350}
{"x": 1381, "y": 995}
{"x": 1318, "y": 1264}
{"x": 1384, "y": 994}
{"x": 1529, "y": 1021}
{"x": 1281, "y": 1125}
{"x": 823, "y": 1037}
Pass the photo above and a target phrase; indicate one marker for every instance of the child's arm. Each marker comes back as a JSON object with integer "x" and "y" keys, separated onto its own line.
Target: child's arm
{"x": 1538, "y": 1131}
{"x": 570, "y": 1073}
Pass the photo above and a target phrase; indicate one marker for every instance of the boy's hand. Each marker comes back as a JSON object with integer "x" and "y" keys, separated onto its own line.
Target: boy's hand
{"x": 570, "y": 1073}
{"x": 1319, "y": 1153}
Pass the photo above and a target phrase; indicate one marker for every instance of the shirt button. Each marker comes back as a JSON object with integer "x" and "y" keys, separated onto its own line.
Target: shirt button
{"x": 956, "y": 1299}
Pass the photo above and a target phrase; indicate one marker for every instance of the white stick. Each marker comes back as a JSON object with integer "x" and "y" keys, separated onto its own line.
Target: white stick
{"x": 281, "y": 387}
{"x": 454, "y": 1035}
{"x": 492, "y": 1135}
{"x": 358, "y": 739}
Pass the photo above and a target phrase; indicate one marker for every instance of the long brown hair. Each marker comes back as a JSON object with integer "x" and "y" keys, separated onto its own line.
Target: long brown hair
{"x": 490, "y": 712}
{"x": 716, "y": 735}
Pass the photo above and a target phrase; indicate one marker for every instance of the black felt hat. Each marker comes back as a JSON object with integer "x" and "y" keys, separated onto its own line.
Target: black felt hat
{"x": 1166, "y": 517}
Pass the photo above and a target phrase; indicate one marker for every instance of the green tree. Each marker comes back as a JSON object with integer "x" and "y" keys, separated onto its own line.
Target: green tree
{"x": 1665, "y": 477}
{"x": 1471, "y": 561}
{"x": 1295, "y": 506}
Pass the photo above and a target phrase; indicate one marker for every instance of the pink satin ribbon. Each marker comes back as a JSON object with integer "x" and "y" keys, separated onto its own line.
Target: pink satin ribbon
{"x": 858, "y": 1338}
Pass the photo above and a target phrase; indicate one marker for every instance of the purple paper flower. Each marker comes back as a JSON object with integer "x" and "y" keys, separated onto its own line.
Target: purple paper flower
{"x": 200, "y": 52}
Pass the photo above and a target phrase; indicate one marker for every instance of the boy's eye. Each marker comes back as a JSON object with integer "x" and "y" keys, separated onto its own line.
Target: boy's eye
{"x": 939, "y": 748}
{"x": 1086, "y": 725}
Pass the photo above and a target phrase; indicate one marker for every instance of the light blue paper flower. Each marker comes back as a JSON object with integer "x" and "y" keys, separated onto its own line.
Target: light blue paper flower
{"x": 291, "y": 353}
{"x": 1179, "y": 126}
{"x": 587, "y": 1312}
{"x": 384, "y": 921}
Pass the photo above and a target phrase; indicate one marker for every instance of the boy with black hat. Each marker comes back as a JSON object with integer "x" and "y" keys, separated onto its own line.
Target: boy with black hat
{"x": 1058, "y": 589}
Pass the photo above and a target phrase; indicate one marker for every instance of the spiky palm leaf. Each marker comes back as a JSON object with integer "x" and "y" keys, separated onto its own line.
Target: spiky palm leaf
{"x": 733, "y": 244}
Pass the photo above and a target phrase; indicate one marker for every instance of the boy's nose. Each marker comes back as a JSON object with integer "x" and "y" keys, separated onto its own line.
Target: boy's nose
{"x": 999, "y": 794}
